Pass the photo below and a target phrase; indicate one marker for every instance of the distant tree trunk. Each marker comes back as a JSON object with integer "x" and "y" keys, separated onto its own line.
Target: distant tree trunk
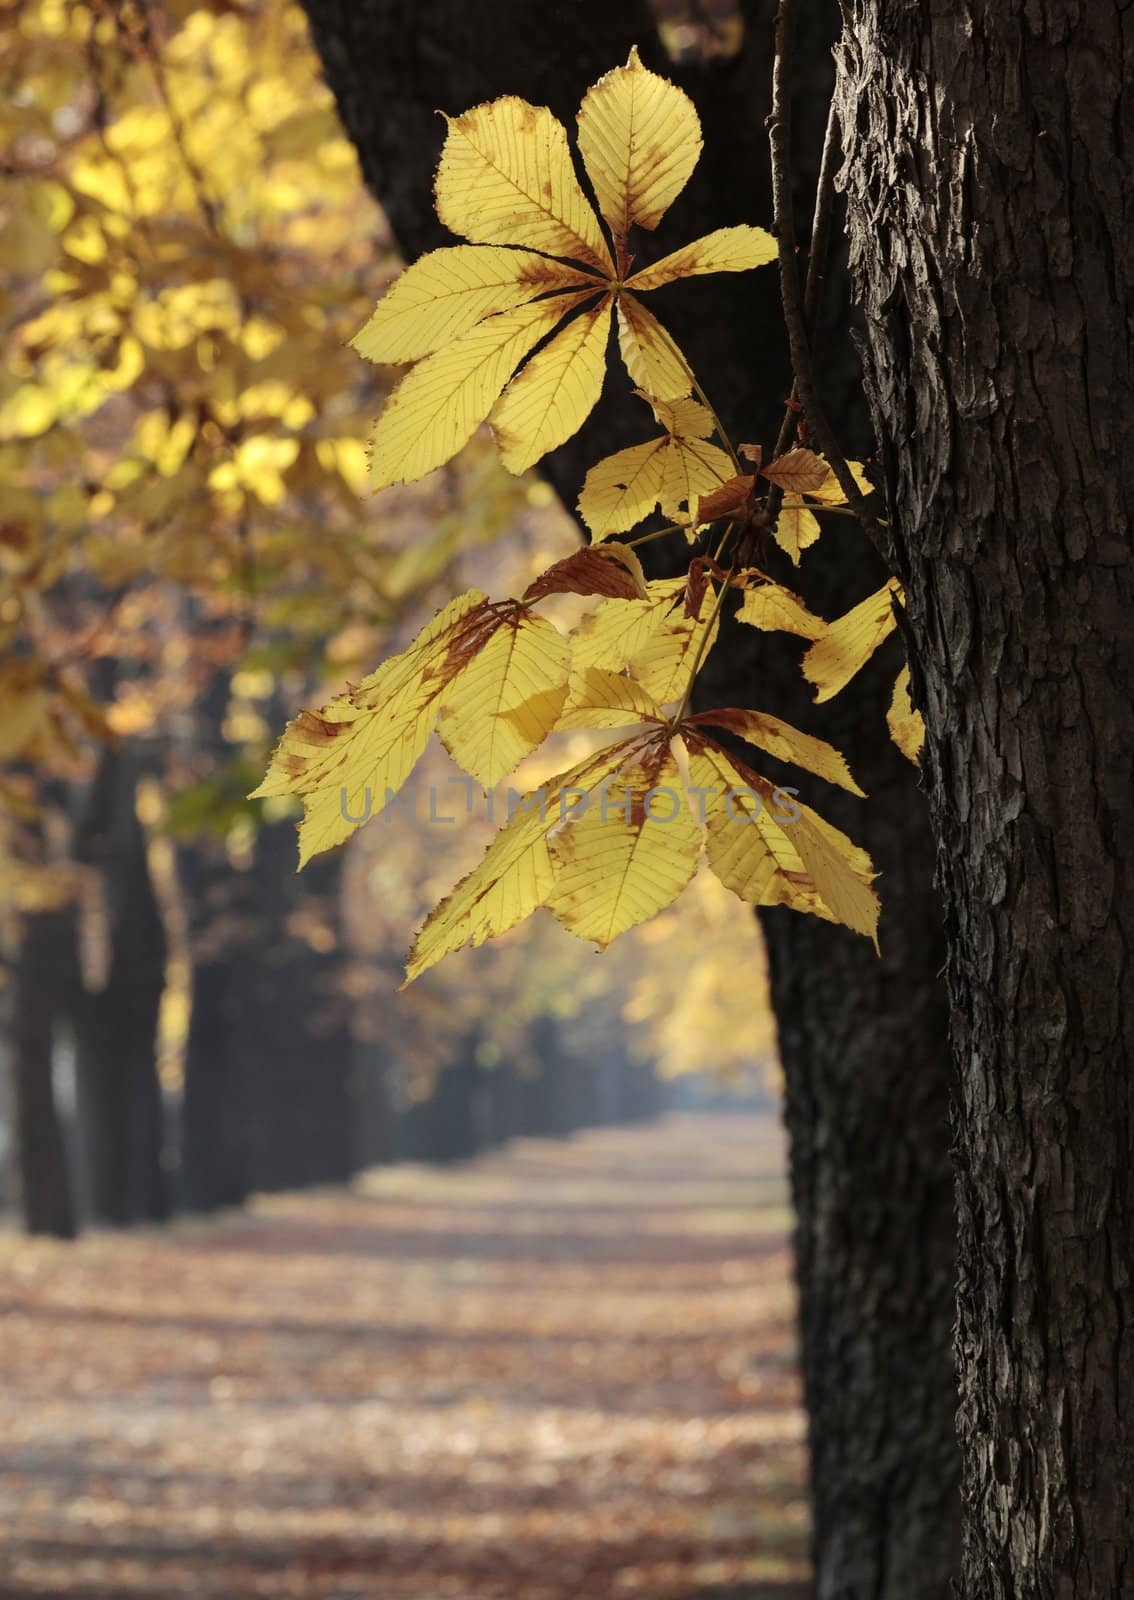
{"x": 641, "y": 1095}
{"x": 378, "y": 1122}
{"x": 273, "y": 1094}
{"x": 121, "y": 1109}
{"x": 293, "y": 1028}
{"x": 42, "y": 1179}
{"x": 445, "y": 1127}
{"x": 501, "y": 1109}
{"x": 991, "y": 207}
{"x": 273, "y": 1097}
{"x": 557, "y": 1098}
{"x": 863, "y": 1042}
{"x": 610, "y": 1066}
{"x": 215, "y": 1113}
{"x": 366, "y": 978}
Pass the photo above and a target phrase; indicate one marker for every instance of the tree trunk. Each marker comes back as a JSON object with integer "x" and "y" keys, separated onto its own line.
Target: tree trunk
{"x": 445, "y": 1127}
{"x": 863, "y": 1040}
{"x": 500, "y": 1107}
{"x": 215, "y": 1114}
{"x": 558, "y": 1086}
{"x": 991, "y": 212}
{"x": 293, "y": 1025}
{"x": 863, "y": 1043}
{"x": 274, "y": 1097}
{"x": 120, "y": 1098}
{"x": 42, "y": 1179}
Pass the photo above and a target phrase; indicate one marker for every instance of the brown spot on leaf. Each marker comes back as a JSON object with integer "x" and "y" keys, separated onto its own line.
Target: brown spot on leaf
{"x": 469, "y": 637}
{"x": 609, "y": 570}
{"x": 728, "y": 498}
{"x": 695, "y": 586}
{"x": 318, "y": 730}
{"x": 543, "y": 273}
{"x": 799, "y": 471}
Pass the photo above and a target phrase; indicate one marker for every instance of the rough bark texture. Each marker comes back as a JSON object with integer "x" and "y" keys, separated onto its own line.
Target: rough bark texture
{"x": 863, "y": 1043}
{"x": 991, "y": 205}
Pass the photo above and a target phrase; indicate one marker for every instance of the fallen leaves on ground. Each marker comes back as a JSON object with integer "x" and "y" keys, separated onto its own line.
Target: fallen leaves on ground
{"x": 563, "y": 1371}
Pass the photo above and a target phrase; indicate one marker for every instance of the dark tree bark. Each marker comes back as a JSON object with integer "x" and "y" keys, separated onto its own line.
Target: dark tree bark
{"x": 445, "y": 1127}
{"x": 379, "y": 1133}
{"x": 863, "y": 1043}
{"x": 120, "y": 1098}
{"x": 499, "y": 1111}
{"x": 374, "y": 1051}
{"x": 293, "y": 1024}
{"x": 555, "y": 1100}
{"x": 42, "y": 1178}
{"x": 215, "y": 1110}
{"x": 991, "y": 212}
{"x": 273, "y": 1096}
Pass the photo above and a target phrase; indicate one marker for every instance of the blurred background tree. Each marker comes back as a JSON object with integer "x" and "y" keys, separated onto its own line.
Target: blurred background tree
{"x": 187, "y": 547}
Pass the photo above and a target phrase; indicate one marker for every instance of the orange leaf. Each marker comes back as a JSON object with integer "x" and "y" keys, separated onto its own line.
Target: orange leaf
{"x": 729, "y": 497}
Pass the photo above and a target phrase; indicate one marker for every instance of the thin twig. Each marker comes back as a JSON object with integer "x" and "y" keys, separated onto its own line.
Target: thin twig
{"x": 821, "y": 222}
{"x": 795, "y": 313}
{"x": 658, "y": 533}
{"x": 723, "y": 541}
{"x": 816, "y": 263}
{"x": 717, "y": 423}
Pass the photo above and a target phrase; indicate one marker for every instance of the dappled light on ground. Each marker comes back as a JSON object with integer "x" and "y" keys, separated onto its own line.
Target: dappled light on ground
{"x": 563, "y": 1372}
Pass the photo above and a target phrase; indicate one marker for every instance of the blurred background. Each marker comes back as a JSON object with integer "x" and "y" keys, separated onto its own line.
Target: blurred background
{"x": 188, "y": 554}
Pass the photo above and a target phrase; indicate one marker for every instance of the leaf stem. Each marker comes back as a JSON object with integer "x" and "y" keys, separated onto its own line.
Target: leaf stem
{"x": 702, "y": 646}
{"x": 816, "y": 265}
{"x": 795, "y": 313}
{"x": 658, "y": 533}
{"x": 717, "y": 423}
{"x": 723, "y": 541}
{"x": 821, "y": 507}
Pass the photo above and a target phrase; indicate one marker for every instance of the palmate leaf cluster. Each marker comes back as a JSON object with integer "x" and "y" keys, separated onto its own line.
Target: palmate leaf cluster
{"x": 538, "y": 264}
{"x": 512, "y": 328}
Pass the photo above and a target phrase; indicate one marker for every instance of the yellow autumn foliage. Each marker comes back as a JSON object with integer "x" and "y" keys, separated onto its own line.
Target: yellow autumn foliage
{"x": 847, "y": 645}
{"x": 668, "y": 473}
{"x": 468, "y": 316}
{"x": 187, "y": 247}
{"x": 512, "y": 327}
{"x": 907, "y": 729}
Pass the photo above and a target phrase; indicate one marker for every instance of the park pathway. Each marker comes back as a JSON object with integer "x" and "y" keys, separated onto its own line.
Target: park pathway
{"x": 562, "y": 1372}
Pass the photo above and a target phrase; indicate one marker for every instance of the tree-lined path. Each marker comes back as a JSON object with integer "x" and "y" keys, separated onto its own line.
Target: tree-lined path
{"x": 564, "y": 1372}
